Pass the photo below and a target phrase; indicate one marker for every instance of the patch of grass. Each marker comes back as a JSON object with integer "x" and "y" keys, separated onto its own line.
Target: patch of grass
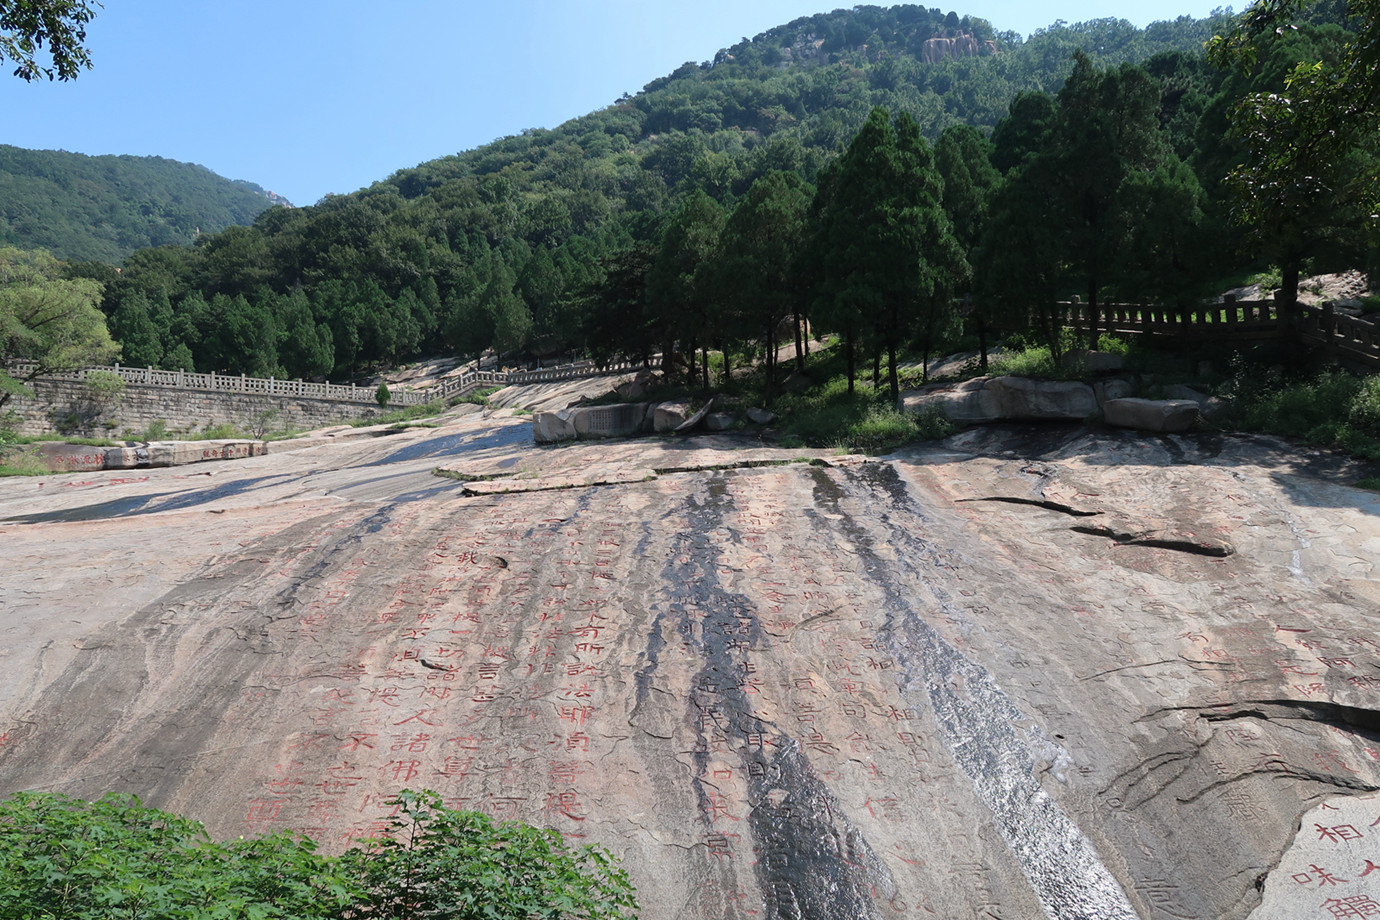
{"x": 17, "y": 461}
{"x": 401, "y": 426}
{"x": 1036, "y": 361}
{"x": 1373, "y": 484}
{"x": 225, "y": 431}
{"x": 478, "y": 397}
{"x": 433, "y": 408}
{"x": 43, "y": 438}
{"x": 156, "y": 430}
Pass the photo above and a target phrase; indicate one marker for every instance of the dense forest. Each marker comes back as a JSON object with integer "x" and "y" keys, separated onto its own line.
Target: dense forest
{"x": 794, "y": 174}
{"x": 104, "y": 208}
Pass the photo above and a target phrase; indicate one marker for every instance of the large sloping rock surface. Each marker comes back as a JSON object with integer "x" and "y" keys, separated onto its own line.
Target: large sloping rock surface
{"x": 1024, "y": 674}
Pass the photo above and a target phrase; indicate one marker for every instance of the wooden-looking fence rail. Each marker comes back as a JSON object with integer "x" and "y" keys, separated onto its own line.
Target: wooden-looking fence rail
{"x": 1245, "y": 320}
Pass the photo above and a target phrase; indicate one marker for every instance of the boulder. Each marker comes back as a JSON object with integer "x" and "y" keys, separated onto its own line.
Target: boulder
{"x": 1164, "y": 416}
{"x": 620, "y": 420}
{"x": 695, "y": 420}
{"x": 1179, "y": 391}
{"x": 968, "y": 402}
{"x": 1116, "y": 388}
{"x": 719, "y": 421}
{"x": 1024, "y": 399}
{"x": 671, "y": 415}
{"x": 995, "y": 399}
{"x": 761, "y": 416}
{"x": 178, "y": 453}
{"x": 636, "y": 388}
{"x": 552, "y": 427}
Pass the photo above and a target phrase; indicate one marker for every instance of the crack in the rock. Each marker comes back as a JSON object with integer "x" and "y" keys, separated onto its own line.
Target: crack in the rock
{"x": 1037, "y": 502}
{"x": 1128, "y": 667}
{"x": 1365, "y": 721}
{"x": 1142, "y": 538}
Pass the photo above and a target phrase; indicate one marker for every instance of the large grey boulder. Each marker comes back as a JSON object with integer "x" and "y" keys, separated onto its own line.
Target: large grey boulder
{"x": 968, "y": 402}
{"x": 1024, "y": 399}
{"x": 995, "y": 399}
{"x": 553, "y": 427}
{"x": 719, "y": 421}
{"x": 1164, "y": 416}
{"x": 1210, "y": 407}
{"x": 637, "y": 387}
{"x": 620, "y": 420}
{"x": 671, "y": 415}
{"x": 589, "y": 422}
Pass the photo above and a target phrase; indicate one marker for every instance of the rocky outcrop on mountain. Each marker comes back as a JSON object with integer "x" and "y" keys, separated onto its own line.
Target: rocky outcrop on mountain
{"x": 939, "y": 49}
{"x": 1021, "y": 673}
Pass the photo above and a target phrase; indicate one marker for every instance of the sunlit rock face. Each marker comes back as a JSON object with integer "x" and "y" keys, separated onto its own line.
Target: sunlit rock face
{"x": 1024, "y": 673}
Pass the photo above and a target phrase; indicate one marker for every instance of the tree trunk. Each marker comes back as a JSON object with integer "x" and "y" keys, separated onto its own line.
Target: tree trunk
{"x": 771, "y": 363}
{"x": 891, "y": 373}
{"x": 799, "y": 344}
{"x": 982, "y": 343}
{"x": 876, "y": 368}
{"x": 1289, "y": 273}
{"x": 705, "y": 367}
{"x": 850, "y": 348}
{"x": 1094, "y": 320}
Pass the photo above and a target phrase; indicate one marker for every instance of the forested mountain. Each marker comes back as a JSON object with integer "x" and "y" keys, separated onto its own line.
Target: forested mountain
{"x": 104, "y": 208}
{"x": 611, "y": 233}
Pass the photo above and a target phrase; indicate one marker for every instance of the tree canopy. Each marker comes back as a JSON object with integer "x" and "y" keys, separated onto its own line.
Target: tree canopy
{"x": 26, "y": 26}
{"x": 50, "y": 322}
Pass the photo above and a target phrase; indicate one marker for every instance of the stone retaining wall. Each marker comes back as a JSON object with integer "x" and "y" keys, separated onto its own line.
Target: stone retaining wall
{"x": 67, "y": 406}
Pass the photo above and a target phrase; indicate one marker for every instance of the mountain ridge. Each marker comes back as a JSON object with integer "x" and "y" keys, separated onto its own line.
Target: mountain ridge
{"x": 105, "y": 207}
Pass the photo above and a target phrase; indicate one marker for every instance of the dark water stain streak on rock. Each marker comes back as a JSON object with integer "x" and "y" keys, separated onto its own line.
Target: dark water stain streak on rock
{"x": 977, "y": 720}
{"x": 812, "y": 863}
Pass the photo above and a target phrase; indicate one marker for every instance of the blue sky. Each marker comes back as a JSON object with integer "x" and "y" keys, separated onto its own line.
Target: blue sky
{"x": 310, "y": 97}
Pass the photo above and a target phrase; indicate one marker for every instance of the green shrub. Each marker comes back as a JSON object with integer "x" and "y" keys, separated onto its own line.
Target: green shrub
{"x": 881, "y": 429}
{"x": 1035, "y": 361}
{"x": 382, "y": 395}
{"x": 456, "y": 865}
{"x": 66, "y": 858}
{"x": 222, "y": 432}
{"x": 1299, "y": 408}
{"x": 1364, "y": 412}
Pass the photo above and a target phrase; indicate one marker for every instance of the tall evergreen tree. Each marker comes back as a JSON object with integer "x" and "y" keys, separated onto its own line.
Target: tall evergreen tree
{"x": 888, "y": 261}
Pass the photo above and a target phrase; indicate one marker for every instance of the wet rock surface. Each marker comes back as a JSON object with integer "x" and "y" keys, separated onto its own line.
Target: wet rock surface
{"x": 1024, "y": 673}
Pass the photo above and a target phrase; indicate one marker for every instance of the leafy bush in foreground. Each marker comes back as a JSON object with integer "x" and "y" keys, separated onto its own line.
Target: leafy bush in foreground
{"x": 68, "y": 859}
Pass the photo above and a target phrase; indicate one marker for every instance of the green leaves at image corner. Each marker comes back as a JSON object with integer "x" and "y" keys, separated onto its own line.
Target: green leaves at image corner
{"x": 67, "y": 858}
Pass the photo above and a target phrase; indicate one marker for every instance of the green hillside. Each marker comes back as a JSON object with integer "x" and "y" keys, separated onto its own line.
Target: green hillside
{"x": 606, "y": 234}
{"x": 104, "y": 208}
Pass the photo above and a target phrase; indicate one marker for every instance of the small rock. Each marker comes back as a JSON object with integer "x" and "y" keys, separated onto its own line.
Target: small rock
{"x": 1159, "y": 415}
{"x": 719, "y": 421}
{"x": 761, "y": 416}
